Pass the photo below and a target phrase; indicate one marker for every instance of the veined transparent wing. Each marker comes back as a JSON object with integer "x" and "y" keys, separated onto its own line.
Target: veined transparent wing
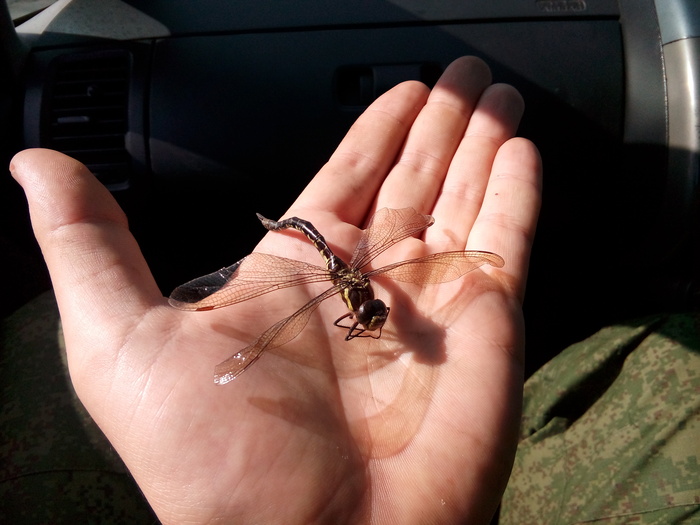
{"x": 438, "y": 267}
{"x": 387, "y": 227}
{"x": 278, "y": 334}
{"x": 255, "y": 275}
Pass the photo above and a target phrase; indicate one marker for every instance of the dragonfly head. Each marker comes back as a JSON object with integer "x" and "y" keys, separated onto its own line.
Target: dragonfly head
{"x": 372, "y": 314}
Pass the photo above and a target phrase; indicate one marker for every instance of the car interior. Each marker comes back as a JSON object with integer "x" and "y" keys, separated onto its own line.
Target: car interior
{"x": 197, "y": 115}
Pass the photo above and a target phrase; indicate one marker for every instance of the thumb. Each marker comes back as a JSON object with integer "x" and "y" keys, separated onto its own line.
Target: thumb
{"x": 99, "y": 275}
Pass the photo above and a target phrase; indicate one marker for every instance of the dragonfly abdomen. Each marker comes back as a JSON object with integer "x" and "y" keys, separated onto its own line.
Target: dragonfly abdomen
{"x": 334, "y": 263}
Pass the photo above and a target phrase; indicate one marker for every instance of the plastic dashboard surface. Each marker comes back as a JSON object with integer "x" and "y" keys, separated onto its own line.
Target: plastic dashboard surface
{"x": 232, "y": 107}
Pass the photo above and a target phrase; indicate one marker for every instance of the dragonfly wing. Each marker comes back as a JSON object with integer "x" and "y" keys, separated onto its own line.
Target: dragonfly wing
{"x": 278, "y": 334}
{"x": 387, "y": 227}
{"x": 438, "y": 267}
{"x": 252, "y": 276}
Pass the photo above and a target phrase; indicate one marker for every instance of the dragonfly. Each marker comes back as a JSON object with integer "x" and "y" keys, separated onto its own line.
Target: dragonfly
{"x": 258, "y": 274}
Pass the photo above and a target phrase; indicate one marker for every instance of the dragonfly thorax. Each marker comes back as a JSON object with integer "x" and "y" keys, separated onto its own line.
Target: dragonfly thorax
{"x": 358, "y": 295}
{"x": 356, "y": 290}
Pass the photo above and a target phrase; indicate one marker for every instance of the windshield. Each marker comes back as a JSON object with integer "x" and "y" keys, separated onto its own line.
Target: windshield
{"x": 21, "y": 10}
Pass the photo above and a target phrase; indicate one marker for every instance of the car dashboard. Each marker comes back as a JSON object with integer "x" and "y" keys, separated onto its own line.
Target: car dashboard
{"x": 196, "y": 115}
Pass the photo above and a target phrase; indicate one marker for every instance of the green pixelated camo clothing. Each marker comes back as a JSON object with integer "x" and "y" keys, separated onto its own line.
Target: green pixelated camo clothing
{"x": 56, "y": 466}
{"x": 610, "y": 434}
{"x": 611, "y": 430}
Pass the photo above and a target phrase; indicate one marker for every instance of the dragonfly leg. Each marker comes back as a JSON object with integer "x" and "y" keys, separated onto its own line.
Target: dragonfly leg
{"x": 353, "y": 330}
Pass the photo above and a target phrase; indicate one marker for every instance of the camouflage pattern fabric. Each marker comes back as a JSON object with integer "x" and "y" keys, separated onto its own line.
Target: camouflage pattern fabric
{"x": 611, "y": 430}
{"x": 56, "y": 466}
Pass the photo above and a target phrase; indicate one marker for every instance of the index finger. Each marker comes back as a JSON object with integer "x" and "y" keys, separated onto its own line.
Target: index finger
{"x": 347, "y": 185}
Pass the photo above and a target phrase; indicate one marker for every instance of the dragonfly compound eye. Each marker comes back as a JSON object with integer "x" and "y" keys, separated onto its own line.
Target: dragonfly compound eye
{"x": 372, "y": 314}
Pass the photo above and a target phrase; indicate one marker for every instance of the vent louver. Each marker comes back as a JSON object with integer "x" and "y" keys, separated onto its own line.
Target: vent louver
{"x": 87, "y": 114}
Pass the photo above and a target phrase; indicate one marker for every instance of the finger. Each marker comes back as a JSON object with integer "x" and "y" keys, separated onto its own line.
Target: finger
{"x": 347, "y": 185}
{"x": 96, "y": 267}
{"x": 431, "y": 144}
{"x": 508, "y": 216}
{"x": 494, "y": 121}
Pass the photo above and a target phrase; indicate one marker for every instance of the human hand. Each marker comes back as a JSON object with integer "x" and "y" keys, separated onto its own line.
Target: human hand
{"x": 419, "y": 426}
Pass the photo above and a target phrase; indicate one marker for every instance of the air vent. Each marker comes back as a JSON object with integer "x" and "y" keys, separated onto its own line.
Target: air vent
{"x": 86, "y": 114}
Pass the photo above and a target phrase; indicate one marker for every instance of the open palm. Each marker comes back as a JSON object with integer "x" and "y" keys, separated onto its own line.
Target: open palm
{"x": 416, "y": 427}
